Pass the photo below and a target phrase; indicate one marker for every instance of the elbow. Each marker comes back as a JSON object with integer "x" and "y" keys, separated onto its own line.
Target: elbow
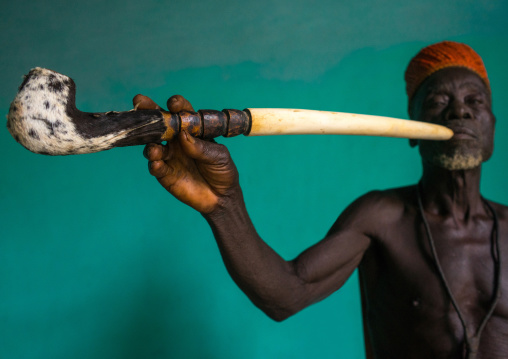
{"x": 278, "y": 317}
{"x": 278, "y": 313}
{"x": 281, "y": 300}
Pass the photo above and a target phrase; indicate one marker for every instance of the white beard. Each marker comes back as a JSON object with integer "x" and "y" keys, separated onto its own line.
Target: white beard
{"x": 458, "y": 161}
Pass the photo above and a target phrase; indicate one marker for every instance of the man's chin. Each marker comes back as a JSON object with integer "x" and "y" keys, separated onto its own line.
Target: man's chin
{"x": 457, "y": 161}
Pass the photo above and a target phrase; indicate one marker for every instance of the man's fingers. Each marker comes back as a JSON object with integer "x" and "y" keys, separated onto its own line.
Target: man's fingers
{"x": 203, "y": 151}
{"x": 195, "y": 148}
{"x": 142, "y": 102}
{"x": 157, "y": 152}
{"x": 159, "y": 169}
{"x": 175, "y": 104}
{"x": 178, "y": 103}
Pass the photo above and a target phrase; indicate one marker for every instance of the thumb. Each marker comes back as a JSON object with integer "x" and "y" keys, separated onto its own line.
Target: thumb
{"x": 203, "y": 151}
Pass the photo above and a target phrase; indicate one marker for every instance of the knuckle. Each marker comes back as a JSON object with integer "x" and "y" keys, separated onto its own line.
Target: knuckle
{"x": 150, "y": 167}
{"x": 219, "y": 155}
{"x": 150, "y": 151}
{"x": 147, "y": 151}
{"x": 174, "y": 103}
{"x": 170, "y": 170}
{"x": 222, "y": 154}
{"x": 216, "y": 152}
{"x": 154, "y": 167}
{"x": 137, "y": 99}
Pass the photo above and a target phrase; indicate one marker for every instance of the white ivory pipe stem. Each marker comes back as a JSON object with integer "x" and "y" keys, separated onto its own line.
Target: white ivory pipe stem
{"x": 273, "y": 121}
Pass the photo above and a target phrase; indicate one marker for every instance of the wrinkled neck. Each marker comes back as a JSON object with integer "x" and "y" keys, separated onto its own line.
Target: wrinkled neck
{"x": 452, "y": 193}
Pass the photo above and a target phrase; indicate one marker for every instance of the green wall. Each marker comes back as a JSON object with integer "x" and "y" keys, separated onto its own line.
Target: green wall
{"x": 97, "y": 261}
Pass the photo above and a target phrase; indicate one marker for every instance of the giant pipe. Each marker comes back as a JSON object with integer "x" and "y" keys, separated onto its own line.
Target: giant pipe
{"x": 43, "y": 118}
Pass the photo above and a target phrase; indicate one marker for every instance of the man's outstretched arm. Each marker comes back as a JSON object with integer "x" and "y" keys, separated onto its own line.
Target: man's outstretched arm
{"x": 202, "y": 175}
{"x": 278, "y": 287}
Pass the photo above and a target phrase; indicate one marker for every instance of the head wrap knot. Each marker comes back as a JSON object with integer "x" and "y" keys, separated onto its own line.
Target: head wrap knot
{"x": 439, "y": 56}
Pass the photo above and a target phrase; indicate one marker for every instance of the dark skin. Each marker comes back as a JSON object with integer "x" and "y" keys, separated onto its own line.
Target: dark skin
{"x": 407, "y": 311}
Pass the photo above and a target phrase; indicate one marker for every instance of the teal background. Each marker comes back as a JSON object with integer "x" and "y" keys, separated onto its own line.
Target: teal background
{"x": 97, "y": 261}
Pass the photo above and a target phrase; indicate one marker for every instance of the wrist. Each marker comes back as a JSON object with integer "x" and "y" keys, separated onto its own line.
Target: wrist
{"x": 229, "y": 205}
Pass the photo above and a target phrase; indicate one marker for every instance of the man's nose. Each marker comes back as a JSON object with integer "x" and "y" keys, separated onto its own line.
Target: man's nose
{"x": 458, "y": 110}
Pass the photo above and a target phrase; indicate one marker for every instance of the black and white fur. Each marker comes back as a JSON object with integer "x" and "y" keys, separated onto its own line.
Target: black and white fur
{"x": 43, "y": 118}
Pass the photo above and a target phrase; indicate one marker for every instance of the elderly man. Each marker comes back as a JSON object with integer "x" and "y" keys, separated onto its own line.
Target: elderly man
{"x": 429, "y": 255}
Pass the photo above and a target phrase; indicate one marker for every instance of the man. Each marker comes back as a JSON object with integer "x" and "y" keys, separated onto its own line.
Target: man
{"x": 429, "y": 255}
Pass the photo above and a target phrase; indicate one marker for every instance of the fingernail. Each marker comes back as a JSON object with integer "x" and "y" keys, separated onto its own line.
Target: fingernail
{"x": 188, "y": 137}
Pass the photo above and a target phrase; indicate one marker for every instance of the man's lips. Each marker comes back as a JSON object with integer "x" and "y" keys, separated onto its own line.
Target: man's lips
{"x": 463, "y": 133}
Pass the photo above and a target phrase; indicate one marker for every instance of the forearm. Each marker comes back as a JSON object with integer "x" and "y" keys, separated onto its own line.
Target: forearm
{"x": 281, "y": 288}
{"x": 266, "y": 278}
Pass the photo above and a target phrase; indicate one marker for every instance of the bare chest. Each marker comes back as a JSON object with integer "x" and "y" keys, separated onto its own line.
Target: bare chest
{"x": 465, "y": 263}
{"x": 415, "y": 286}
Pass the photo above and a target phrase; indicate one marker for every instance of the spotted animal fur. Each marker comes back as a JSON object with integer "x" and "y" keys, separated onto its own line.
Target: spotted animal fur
{"x": 43, "y": 118}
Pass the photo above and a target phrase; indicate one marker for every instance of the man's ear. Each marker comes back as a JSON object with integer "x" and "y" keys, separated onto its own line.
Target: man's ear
{"x": 413, "y": 143}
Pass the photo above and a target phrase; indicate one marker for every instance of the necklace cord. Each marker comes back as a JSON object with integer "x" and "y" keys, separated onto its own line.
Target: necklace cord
{"x": 472, "y": 342}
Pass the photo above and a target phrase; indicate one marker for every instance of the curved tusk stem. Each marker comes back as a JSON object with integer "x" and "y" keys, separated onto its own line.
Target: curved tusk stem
{"x": 272, "y": 121}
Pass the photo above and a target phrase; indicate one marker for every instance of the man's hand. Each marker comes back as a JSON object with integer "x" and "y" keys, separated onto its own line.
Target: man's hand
{"x": 199, "y": 173}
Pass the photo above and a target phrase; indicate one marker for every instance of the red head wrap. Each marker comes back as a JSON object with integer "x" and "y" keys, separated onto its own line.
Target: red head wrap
{"x": 439, "y": 56}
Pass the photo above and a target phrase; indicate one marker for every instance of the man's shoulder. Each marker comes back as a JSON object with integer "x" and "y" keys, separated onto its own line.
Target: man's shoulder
{"x": 377, "y": 211}
{"x": 501, "y": 210}
{"x": 397, "y": 198}
{"x": 385, "y": 206}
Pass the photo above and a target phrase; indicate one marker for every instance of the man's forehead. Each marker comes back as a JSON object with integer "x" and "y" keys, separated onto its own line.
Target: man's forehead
{"x": 453, "y": 78}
